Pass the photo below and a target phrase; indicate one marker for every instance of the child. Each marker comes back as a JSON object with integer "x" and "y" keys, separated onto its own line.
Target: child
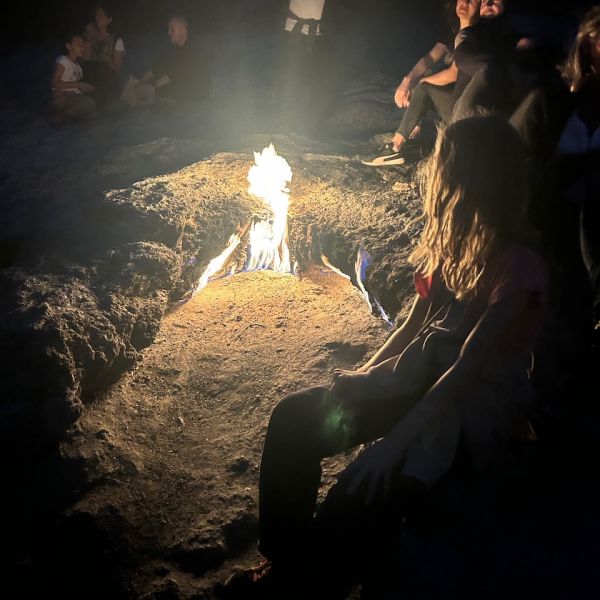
{"x": 71, "y": 99}
{"x": 458, "y": 367}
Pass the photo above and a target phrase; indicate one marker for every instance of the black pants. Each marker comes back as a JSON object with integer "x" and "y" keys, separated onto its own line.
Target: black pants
{"x": 304, "y": 84}
{"x": 426, "y": 97}
{"x": 304, "y": 428}
{"x": 105, "y": 81}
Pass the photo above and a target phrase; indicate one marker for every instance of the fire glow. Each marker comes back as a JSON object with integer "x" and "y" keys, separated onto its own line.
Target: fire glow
{"x": 267, "y": 248}
{"x": 361, "y": 266}
{"x": 267, "y": 239}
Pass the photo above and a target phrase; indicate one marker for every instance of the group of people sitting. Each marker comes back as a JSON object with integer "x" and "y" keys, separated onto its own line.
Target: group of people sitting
{"x": 483, "y": 69}
{"x": 449, "y": 398}
{"x": 89, "y": 76}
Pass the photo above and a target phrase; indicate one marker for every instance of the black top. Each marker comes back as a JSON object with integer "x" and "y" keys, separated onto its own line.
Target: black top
{"x": 490, "y": 41}
{"x": 188, "y": 71}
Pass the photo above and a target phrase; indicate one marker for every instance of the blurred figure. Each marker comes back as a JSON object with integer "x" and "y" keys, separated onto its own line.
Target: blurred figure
{"x": 302, "y": 83}
{"x": 71, "y": 95}
{"x": 579, "y": 146}
{"x": 104, "y": 56}
{"x": 180, "y": 74}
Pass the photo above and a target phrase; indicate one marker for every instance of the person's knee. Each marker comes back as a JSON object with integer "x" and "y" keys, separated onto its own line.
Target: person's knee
{"x": 296, "y": 406}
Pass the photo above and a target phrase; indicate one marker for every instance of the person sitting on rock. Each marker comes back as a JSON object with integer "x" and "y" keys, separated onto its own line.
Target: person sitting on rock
{"x": 477, "y": 80}
{"x": 457, "y": 370}
{"x": 105, "y": 53}
{"x": 421, "y": 90}
{"x": 71, "y": 94}
{"x": 180, "y": 74}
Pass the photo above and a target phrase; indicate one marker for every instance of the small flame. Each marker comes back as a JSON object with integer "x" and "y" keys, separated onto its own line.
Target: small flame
{"x": 363, "y": 262}
{"x": 328, "y": 264}
{"x": 217, "y": 263}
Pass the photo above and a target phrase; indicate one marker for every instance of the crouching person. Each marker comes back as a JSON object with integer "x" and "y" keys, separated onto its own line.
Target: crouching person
{"x": 71, "y": 95}
{"x": 457, "y": 369}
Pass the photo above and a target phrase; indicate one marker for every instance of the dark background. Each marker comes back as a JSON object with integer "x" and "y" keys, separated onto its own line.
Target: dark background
{"x": 27, "y": 22}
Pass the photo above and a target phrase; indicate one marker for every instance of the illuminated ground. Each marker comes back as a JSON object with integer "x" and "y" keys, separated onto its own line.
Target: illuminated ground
{"x": 175, "y": 446}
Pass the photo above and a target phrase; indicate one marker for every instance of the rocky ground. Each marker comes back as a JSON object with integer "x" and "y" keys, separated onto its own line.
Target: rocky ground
{"x": 131, "y": 425}
{"x": 137, "y": 428}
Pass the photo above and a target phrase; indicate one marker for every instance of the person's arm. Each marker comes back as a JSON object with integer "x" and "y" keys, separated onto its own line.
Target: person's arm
{"x": 398, "y": 341}
{"x": 162, "y": 81}
{"x": 374, "y": 467}
{"x": 378, "y": 371}
{"x": 118, "y": 56}
{"x": 402, "y": 95}
{"x": 60, "y": 85}
{"x": 473, "y": 355}
{"x": 445, "y": 77}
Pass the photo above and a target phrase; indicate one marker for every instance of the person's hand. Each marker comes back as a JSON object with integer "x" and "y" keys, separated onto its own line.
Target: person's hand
{"x": 525, "y": 44}
{"x": 85, "y": 88}
{"x": 374, "y": 468}
{"x": 472, "y": 12}
{"x": 349, "y": 384}
{"x": 403, "y": 94}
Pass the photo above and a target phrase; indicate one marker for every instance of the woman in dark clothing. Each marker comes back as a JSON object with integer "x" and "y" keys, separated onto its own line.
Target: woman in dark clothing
{"x": 105, "y": 52}
{"x": 478, "y": 77}
{"x": 579, "y": 146}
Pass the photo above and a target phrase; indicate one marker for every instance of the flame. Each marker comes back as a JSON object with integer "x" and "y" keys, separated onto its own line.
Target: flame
{"x": 268, "y": 247}
{"x": 362, "y": 264}
{"x": 217, "y": 263}
{"x": 326, "y": 262}
{"x": 268, "y": 179}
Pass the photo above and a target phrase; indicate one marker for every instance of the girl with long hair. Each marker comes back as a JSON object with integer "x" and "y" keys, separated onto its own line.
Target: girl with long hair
{"x": 457, "y": 369}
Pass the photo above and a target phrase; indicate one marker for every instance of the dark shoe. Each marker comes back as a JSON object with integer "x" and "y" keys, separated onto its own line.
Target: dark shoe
{"x": 386, "y": 160}
{"x": 412, "y": 151}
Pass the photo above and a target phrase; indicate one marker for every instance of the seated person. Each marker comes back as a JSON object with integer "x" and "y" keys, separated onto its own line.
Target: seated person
{"x": 420, "y": 92}
{"x": 454, "y": 376}
{"x": 71, "y": 95}
{"x": 180, "y": 74}
{"x": 579, "y": 146}
{"x": 484, "y": 48}
{"x": 105, "y": 52}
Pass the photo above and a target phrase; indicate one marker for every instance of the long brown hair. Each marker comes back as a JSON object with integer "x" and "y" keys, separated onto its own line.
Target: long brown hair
{"x": 474, "y": 199}
{"x": 579, "y": 65}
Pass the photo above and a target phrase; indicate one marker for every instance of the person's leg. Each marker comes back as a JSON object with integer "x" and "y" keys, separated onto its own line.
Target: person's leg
{"x": 304, "y": 428}
{"x": 426, "y": 97}
{"x": 77, "y": 106}
{"x": 354, "y": 538}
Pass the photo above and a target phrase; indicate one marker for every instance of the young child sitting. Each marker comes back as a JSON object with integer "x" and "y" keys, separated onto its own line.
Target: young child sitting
{"x": 71, "y": 99}
{"x": 458, "y": 368}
